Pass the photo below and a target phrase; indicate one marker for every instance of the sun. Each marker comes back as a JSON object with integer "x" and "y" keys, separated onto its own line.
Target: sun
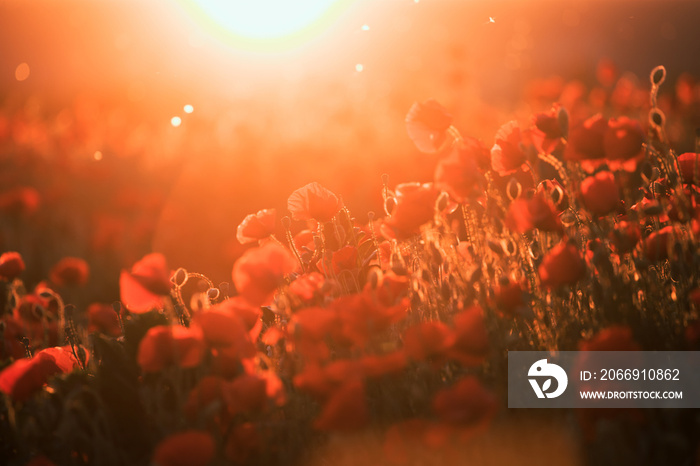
{"x": 266, "y": 24}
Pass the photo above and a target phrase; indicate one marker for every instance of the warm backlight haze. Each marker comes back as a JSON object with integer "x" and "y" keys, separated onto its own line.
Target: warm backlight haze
{"x": 291, "y": 232}
{"x": 269, "y": 24}
{"x": 247, "y": 100}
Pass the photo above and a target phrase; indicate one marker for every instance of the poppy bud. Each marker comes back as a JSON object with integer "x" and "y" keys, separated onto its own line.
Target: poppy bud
{"x": 213, "y": 294}
{"x": 658, "y": 75}
{"x": 180, "y": 277}
{"x": 11, "y": 265}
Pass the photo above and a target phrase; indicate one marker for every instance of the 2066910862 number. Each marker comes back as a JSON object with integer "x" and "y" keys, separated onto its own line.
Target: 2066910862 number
{"x": 640, "y": 374}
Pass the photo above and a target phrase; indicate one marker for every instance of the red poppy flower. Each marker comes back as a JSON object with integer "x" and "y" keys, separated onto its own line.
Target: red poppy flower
{"x": 313, "y": 201}
{"x": 21, "y": 379}
{"x": 308, "y": 331}
{"x": 368, "y": 313}
{"x": 250, "y": 315}
{"x": 427, "y": 124}
{"x": 691, "y": 334}
{"x": 623, "y": 139}
{"x": 656, "y": 245}
{"x": 242, "y": 443}
{"x": 315, "y": 381}
{"x": 305, "y": 240}
{"x": 548, "y": 130}
{"x": 616, "y": 338}
{"x": 689, "y": 167}
{"x": 507, "y": 154}
{"x": 164, "y": 345}
{"x": 344, "y": 258}
{"x": 11, "y": 265}
{"x": 142, "y": 288}
{"x": 466, "y": 404}
{"x": 458, "y": 173}
{"x": 222, "y": 328}
{"x": 246, "y": 394}
{"x": 64, "y": 357}
{"x": 428, "y": 340}
{"x": 524, "y": 215}
{"x": 471, "y": 344}
{"x": 40, "y": 460}
{"x": 390, "y": 289}
{"x": 260, "y": 271}
{"x": 102, "y": 318}
{"x": 624, "y": 237}
{"x": 600, "y": 193}
{"x": 308, "y": 286}
{"x": 358, "y": 321}
{"x": 70, "y": 271}
{"x": 230, "y": 361}
{"x": 20, "y": 201}
{"x": 207, "y": 391}
{"x": 562, "y": 265}
{"x": 586, "y": 141}
{"x": 257, "y": 226}
{"x": 415, "y": 206}
{"x": 188, "y": 448}
{"x": 346, "y": 409}
{"x": 606, "y": 72}
{"x": 510, "y": 298}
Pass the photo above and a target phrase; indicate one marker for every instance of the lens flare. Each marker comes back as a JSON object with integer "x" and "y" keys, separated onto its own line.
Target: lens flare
{"x": 266, "y": 24}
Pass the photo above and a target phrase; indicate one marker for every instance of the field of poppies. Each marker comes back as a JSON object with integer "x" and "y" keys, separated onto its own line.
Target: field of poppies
{"x": 348, "y": 337}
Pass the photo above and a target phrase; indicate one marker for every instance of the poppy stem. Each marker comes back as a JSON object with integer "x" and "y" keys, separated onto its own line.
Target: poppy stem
{"x": 180, "y": 309}
{"x": 370, "y": 216}
{"x": 287, "y": 223}
{"x": 274, "y": 238}
{"x": 351, "y": 225}
{"x": 61, "y": 312}
{"x": 386, "y": 195}
{"x": 467, "y": 224}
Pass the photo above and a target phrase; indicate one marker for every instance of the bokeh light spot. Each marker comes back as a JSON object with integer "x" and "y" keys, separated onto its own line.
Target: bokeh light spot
{"x": 22, "y": 72}
{"x": 176, "y": 121}
{"x": 97, "y": 155}
{"x": 188, "y": 108}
